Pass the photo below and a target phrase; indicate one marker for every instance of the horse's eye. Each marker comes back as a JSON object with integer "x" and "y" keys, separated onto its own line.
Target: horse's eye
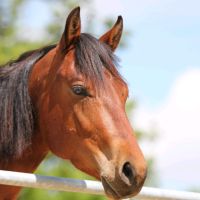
{"x": 79, "y": 90}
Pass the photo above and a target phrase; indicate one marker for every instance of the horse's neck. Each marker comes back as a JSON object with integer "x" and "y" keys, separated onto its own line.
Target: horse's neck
{"x": 38, "y": 76}
{"x": 28, "y": 162}
{"x": 30, "y": 158}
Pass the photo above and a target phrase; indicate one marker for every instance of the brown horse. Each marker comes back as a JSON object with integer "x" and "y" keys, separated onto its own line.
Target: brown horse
{"x": 70, "y": 99}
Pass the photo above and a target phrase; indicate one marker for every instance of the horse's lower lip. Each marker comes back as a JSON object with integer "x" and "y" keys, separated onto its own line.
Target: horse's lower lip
{"x": 109, "y": 190}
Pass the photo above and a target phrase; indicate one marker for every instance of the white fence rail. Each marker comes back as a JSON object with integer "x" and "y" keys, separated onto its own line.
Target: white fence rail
{"x": 85, "y": 186}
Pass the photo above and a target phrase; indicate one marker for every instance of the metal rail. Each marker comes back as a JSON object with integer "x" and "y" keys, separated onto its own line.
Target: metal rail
{"x": 85, "y": 186}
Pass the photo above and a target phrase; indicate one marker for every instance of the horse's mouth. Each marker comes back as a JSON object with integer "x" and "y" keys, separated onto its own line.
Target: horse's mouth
{"x": 109, "y": 190}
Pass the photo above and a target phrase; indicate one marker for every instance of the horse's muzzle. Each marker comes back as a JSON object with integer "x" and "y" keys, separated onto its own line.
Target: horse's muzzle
{"x": 126, "y": 183}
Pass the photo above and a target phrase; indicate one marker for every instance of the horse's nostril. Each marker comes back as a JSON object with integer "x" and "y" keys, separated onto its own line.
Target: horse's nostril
{"x": 127, "y": 170}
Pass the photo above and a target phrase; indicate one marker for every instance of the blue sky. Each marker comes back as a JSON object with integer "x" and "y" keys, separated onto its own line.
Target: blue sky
{"x": 162, "y": 68}
{"x": 164, "y": 44}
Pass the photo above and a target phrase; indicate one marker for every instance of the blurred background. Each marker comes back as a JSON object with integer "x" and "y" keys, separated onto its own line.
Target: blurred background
{"x": 160, "y": 60}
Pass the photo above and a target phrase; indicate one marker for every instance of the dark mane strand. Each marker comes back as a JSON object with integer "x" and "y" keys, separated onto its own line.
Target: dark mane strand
{"x": 92, "y": 56}
{"x": 17, "y": 116}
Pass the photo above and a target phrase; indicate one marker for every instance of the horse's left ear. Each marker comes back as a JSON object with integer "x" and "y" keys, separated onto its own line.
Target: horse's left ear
{"x": 112, "y": 37}
{"x": 72, "y": 29}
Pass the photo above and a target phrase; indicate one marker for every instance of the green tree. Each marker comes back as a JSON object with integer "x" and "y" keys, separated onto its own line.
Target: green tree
{"x": 8, "y": 15}
{"x": 10, "y": 46}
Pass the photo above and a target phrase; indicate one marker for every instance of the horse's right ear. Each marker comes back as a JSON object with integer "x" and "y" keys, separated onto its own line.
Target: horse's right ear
{"x": 72, "y": 29}
{"x": 112, "y": 37}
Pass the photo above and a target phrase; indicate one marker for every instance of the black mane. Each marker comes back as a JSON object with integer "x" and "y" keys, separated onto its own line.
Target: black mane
{"x": 17, "y": 113}
{"x": 92, "y": 56}
{"x": 17, "y": 116}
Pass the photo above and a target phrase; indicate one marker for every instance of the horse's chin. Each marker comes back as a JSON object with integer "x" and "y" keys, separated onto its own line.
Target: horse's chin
{"x": 109, "y": 190}
{"x": 117, "y": 193}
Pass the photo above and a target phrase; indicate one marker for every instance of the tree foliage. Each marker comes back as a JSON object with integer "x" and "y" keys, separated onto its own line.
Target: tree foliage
{"x": 10, "y": 47}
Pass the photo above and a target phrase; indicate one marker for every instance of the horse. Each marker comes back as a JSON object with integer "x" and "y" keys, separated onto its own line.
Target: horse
{"x": 69, "y": 98}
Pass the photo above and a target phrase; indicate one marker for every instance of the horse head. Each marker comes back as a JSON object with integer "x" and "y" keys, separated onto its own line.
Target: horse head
{"x": 81, "y": 109}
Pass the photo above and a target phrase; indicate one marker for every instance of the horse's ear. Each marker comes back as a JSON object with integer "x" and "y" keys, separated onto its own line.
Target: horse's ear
{"x": 72, "y": 28}
{"x": 112, "y": 37}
